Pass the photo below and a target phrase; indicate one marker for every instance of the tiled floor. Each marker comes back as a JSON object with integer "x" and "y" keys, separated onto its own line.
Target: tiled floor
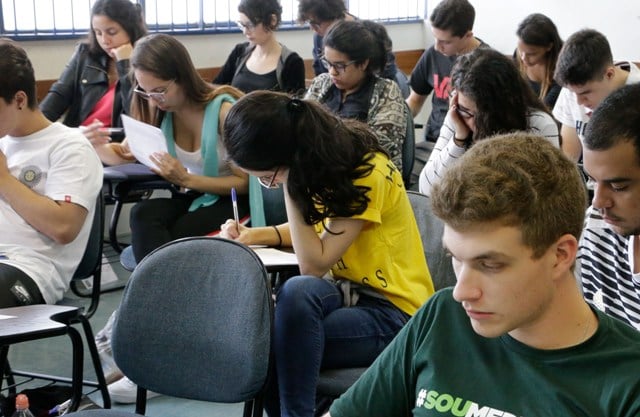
{"x": 53, "y": 356}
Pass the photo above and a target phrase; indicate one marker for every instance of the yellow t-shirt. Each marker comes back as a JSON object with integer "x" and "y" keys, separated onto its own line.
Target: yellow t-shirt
{"x": 387, "y": 255}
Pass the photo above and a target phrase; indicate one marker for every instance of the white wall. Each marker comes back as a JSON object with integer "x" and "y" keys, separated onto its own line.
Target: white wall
{"x": 50, "y": 57}
{"x": 619, "y": 20}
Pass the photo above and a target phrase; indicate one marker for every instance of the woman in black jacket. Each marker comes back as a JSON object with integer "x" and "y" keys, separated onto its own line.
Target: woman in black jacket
{"x": 94, "y": 88}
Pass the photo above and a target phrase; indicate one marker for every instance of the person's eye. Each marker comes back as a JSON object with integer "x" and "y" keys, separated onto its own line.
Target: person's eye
{"x": 492, "y": 266}
{"x": 617, "y": 188}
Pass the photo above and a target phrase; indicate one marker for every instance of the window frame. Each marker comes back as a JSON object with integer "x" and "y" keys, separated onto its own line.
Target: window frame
{"x": 199, "y": 28}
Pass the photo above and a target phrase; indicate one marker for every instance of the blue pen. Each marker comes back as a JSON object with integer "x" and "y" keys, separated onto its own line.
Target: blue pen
{"x": 234, "y": 201}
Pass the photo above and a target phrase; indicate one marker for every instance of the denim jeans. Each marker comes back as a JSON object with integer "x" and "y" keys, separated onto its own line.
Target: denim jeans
{"x": 313, "y": 330}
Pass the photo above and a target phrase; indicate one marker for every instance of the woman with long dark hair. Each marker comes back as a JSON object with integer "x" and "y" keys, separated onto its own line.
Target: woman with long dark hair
{"x": 95, "y": 88}
{"x": 363, "y": 271}
{"x": 489, "y": 97}
{"x": 539, "y": 45}
{"x": 355, "y": 53}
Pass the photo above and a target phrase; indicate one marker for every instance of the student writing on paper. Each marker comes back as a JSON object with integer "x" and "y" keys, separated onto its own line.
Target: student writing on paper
{"x": 352, "y": 228}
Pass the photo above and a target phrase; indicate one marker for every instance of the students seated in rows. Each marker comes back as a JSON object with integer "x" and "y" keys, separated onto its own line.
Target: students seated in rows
{"x": 452, "y": 27}
{"x": 321, "y": 15}
{"x": 489, "y": 97}
{"x": 95, "y": 88}
{"x": 170, "y": 93}
{"x": 49, "y": 180}
{"x": 354, "y": 54}
{"x": 514, "y": 337}
{"x": 608, "y": 255}
{"x": 587, "y": 73}
{"x": 262, "y": 63}
{"x": 352, "y": 227}
{"x": 538, "y": 48}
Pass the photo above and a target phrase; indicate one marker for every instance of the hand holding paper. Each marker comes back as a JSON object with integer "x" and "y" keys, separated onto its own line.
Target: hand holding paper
{"x": 144, "y": 140}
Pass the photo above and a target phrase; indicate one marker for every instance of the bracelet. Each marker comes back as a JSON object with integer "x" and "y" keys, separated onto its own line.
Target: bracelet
{"x": 460, "y": 142}
{"x": 279, "y": 236}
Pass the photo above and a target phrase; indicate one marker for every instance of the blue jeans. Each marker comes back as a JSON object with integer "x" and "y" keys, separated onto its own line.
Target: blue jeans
{"x": 313, "y": 330}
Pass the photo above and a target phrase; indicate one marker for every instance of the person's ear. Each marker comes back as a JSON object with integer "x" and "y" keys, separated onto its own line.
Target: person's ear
{"x": 274, "y": 22}
{"x": 21, "y": 99}
{"x": 364, "y": 65}
{"x": 565, "y": 251}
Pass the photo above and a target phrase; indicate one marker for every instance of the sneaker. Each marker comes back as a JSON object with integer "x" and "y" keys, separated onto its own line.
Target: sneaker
{"x": 124, "y": 391}
{"x": 127, "y": 259}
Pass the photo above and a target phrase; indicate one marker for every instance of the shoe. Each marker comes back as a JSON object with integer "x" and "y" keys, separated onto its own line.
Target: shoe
{"x": 124, "y": 391}
{"x": 127, "y": 260}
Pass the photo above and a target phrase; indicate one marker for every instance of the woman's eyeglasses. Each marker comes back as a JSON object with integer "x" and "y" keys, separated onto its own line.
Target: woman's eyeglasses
{"x": 158, "y": 96}
{"x": 269, "y": 181}
{"x": 464, "y": 113}
{"x": 338, "y": 66}
{"x": 248, "y": 26}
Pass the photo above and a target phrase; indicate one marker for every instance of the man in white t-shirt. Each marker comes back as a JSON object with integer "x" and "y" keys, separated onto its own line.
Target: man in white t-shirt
{"x": 586, "y": 70}
{"x": 49, "y": 179}
{"x": 609, "y": 255}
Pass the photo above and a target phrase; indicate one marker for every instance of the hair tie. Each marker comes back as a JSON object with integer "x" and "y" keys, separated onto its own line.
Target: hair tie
{"x": 295, "y": 105}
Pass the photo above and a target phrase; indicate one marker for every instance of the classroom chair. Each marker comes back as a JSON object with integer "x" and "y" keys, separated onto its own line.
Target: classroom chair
{"x": 195, "y": 322}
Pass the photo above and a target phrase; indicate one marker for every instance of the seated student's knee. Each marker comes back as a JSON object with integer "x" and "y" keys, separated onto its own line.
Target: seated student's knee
{"x": 299, "y": 292}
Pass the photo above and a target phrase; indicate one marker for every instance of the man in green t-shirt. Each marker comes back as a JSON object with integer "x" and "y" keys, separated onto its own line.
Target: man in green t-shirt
{"x": 514, "y": 337}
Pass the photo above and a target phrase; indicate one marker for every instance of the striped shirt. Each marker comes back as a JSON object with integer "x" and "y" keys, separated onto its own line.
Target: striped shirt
{"x": 605, "y": 270}
{"x": 445, "y": 151}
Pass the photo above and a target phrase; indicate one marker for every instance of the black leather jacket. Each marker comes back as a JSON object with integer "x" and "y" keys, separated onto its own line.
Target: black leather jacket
{"x": 82, "y": 83}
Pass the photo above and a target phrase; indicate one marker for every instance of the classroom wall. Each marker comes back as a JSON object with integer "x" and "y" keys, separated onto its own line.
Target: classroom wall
{"x": 619, "y": 20}
{"x": 50, "y": 57}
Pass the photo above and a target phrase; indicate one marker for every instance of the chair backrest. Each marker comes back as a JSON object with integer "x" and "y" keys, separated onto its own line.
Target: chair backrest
{"x": 408, "y": 148}
{"x": 90, "y": 265}
{"x": 403, "y": 82}
{"x": 431, "y": 229}
{"x": 196, "y": 321}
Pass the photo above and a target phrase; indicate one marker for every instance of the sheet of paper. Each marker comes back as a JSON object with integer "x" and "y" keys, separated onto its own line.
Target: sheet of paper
{"x": 143, "y": 139}
{"x": 276, "y": 257}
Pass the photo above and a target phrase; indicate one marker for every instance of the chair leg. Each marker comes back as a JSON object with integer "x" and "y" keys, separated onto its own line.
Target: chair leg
{"x": 97, "y": 364}
{"x": 77, "y": 367}
{"x": 113, "y": 227}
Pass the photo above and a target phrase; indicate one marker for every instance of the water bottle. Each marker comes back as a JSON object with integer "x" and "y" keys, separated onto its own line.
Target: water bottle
{"x": 22, "y": 407}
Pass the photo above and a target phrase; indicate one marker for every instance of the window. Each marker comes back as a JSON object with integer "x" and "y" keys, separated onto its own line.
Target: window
{"x": 38, "y": 19}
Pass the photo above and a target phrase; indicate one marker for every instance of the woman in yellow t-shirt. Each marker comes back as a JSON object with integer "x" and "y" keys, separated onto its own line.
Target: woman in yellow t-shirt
{"x": 363, "y": 271}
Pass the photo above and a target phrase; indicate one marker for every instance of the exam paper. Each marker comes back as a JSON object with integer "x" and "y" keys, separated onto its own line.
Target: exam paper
{"x": 276, "y": 257}
{"x": 143, "y": 139}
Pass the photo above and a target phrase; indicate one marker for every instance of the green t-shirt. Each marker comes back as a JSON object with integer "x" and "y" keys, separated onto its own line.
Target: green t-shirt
{"x": 438, "y": 366}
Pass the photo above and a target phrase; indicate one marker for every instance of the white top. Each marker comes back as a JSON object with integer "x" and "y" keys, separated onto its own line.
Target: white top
{"x": 568, "y": 112}
{"x": 60, "y": 163}
{"x": 446, "y": 151}
{"x": 194, "y": 163}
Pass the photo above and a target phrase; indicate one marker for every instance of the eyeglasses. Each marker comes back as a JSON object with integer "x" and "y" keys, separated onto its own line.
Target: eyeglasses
{"x": 158, "y": 96}
{"x": 338, "y": 66}
{"x": 248, "y": 26}
{"x": 269, "y": 182}
{"x": 314, "y": 23}
{"x": 464, "y": 113}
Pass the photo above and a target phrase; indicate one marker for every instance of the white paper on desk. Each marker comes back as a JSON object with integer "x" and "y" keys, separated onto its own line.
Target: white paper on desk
{"x": 143, "y": 139}
{"x": 275, "y": 257}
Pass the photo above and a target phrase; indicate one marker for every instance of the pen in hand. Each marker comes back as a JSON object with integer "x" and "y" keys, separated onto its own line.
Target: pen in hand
{"x": 234, "y": 201}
